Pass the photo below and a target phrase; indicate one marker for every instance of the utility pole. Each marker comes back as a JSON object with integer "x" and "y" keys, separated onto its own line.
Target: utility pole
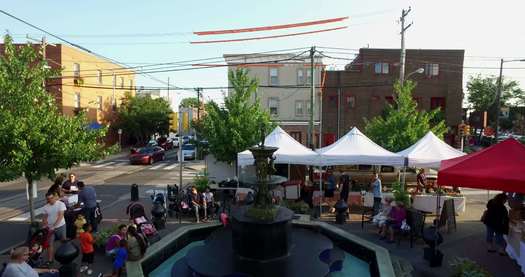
{"x": 169, "y": 101}
{"x": 498, "y": 100}
{"x": 198, "y": 117}
{"x": 114, "y": 100}
{"x": 403, "y": 51}
{"x": 181, "y": 155}
{"x": 312, "y": 93}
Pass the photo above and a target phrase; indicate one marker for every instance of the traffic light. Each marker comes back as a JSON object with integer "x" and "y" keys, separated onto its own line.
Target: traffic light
{"x": 466, "y": 129}
{"x": 173, "y": 122}
{"x": 461, "y": 129}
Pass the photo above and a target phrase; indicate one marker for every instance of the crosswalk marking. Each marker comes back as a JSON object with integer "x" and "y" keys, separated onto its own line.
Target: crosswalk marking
{"x": 170, "y": 167}
{"x": 157, "y": 166}
{"x": 103, "y": 165}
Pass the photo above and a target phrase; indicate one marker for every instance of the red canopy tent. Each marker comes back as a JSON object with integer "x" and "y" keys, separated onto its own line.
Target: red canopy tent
{"x": 499, "y": 167}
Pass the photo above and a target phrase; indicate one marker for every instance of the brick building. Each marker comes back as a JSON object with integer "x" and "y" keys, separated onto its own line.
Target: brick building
{"x": 284, "y": 89}
{"x": 87, "y": 83}
{"x": 364, "y": 88}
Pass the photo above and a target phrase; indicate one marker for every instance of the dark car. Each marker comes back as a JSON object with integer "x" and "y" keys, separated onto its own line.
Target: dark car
{"x": 146, "y": 155}
{"x": 165, "y": 143}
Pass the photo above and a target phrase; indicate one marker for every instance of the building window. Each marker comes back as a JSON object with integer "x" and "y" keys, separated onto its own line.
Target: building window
{"x": 350, "y": 101}
{"x": 273, "y": 106}
{"x": 299, "y": 108}
{"x": 76, "y": 70}
{"x": 381, "y": 68}
{"x": 77, "y": 100}
{"x": 431, "y": 70}
{"x": 99, "y": 76}
{"x": 274, "y": 76}
{"x": 298, "y": 136}
{"x": 99, "y": 102}
{"x": 437, "y": 102}
{"x": 308, "y": 107}
{"x": 301, "y": 80}
{"x": 121, "y": 82}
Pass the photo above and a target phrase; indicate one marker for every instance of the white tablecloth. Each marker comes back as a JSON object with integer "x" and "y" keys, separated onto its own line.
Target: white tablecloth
{"x": 515, "y": 247}
{"x": 369, "y": 198}
{"x": 427, "y": 203}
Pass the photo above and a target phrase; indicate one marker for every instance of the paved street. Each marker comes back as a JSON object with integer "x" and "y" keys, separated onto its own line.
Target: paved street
{"x": 112, "y": 179}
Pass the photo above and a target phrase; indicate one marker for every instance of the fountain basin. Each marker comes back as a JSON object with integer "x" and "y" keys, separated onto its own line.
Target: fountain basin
{"x": 375, "y": 258}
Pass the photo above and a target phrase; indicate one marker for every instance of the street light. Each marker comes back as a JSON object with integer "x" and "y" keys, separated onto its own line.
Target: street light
{"x": 418, "y": 71}
{"x": 498, "y": 96}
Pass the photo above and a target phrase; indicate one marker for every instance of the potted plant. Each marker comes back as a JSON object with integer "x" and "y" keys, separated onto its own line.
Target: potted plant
{"x": 103, "y": 235}
{"x": 400, "y": 194}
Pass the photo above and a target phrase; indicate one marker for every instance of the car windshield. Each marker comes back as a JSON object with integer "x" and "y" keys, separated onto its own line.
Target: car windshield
{"x": 188, "y": 147}
{"x": 145, "y": 150}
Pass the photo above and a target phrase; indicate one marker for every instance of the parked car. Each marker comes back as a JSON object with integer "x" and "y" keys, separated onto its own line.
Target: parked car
{"x": 188, "y": 151}
{"x": 147, "y": 155}
{"x": 165, "y": 143}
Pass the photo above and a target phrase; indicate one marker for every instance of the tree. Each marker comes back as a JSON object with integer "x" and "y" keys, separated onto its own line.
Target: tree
{"x": 482, "y": 94}
{"x": 35, "y": 139}
{"x": 236, "y": 126}
{"x": 401, "y": 125}
{"x": 191, "y": 102}
{"x": 142, "y": 116}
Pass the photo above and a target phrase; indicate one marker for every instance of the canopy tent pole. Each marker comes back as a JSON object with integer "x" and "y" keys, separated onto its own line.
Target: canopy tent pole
{"x": 288, "y": 171}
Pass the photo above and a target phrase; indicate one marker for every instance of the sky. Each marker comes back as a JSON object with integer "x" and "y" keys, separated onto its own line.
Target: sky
{"x": 148, "y": 32}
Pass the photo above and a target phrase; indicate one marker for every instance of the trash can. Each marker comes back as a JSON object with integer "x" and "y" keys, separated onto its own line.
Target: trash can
{"x": 341, "y": 212}
{"x": 134, "y": 193}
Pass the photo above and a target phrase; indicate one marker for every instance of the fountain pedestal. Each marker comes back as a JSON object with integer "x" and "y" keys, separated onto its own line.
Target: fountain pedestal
{"x": 261, "y": 240}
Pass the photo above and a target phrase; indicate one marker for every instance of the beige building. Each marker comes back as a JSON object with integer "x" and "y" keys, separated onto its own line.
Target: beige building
{"x": 284, "y": 88}
{"x": 88, "y": 83}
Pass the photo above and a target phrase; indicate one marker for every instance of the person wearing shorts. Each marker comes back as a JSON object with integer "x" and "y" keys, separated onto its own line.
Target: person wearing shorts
{"x": 54, "y": 221}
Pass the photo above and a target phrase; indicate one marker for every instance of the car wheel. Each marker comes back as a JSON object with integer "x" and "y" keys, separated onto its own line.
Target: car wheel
{"x": 150, "y": 161}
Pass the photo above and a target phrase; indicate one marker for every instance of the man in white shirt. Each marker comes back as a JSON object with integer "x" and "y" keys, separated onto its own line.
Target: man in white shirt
{"x": 55, "y": 222}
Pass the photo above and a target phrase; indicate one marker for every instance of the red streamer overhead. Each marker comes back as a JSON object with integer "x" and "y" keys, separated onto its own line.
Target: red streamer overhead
{"x": 268, "y": 37}
{"x": 274, "y": 27}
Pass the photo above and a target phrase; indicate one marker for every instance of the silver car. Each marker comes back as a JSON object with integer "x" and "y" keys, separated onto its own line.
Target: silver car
{"x": 188, "y": 151}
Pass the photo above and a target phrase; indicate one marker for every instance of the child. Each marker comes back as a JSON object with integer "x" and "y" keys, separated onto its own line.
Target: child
{"x": 120, "y": 258}
{"x": 88, "y": 251}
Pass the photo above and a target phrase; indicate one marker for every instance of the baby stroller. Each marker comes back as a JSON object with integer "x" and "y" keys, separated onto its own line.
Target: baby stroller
{"x": 138, "y": 216}
{"x": 158, "y": 210}
{"x": 38, "y": 242}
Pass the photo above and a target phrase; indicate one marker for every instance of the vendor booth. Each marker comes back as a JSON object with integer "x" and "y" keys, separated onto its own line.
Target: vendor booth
{"x": 429, "y": 151}
{"x": 499, "y": 167}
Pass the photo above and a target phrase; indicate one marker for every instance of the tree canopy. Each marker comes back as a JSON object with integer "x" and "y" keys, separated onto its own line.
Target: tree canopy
{"x": 141, "y": 117}
{"x": 401, "y": 125}
{"x": 482, "y": 93}
{"x": 191, "y": 102}
{"x": 237, "y": 125}
{"x": 35, "y": 139}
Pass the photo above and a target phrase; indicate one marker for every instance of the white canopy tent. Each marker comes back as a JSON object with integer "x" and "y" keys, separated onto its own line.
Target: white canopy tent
{"x": 429, "y": 151}
{"x": 356, "y": 148}
{"x": 290, "y": 151}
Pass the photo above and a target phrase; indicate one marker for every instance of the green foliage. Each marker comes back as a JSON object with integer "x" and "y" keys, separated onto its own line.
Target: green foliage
{"x": 482, "y": 92}
{"x": 464, "y": 267}
{"x": 262, "y": 214}
{"x": 35, "y": 139}
{"x": 236, "y": 126}
{"x": 140, "y": 117}
{"x": 113, "y": 149}
{"x": 400, "y": 194}
{"x": 191, "y": 102}
{"x": 201, "y": 181}
{"x": 401, "y": 125}
{"x": 297, "y": 207}
{"x": 104, "y": 234}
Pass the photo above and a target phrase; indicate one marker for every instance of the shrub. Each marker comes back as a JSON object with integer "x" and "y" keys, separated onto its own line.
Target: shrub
{"x": 400, "y": 194}
{"x": 299, "y": 207}
{"x": 103, "y": 235}
{"x": 201, "y": 181}
{"x": 464, "y": 267}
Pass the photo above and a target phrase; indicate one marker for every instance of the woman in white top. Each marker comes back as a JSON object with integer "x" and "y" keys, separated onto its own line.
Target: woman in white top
{"x": 17, "y": 266}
